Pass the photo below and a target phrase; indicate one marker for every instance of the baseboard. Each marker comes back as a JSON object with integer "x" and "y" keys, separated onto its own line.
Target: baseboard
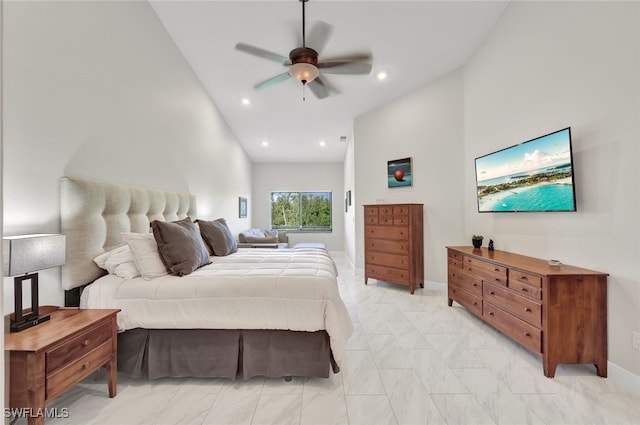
{"x": 624, "y": 378}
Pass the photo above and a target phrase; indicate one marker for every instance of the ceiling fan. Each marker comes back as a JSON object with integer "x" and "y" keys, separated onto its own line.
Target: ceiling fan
{"x": 303, "y": 62}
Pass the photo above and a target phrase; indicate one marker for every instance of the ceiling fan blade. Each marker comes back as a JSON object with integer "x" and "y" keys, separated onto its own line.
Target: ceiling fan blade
{"x": 318, "y": 36}
{"x": 256, "y": 51}
{"x": 273, "y": 80}
{"x": 319, "y": 88}
{"x": 345, "y": 67}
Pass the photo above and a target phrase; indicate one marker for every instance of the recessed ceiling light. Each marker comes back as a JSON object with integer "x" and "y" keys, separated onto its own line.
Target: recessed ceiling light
{"x": 265, "y": 144}
{"x": 381, "y": 75}
{"x": 245, "y": 101}
{"x": 322, "y": 143}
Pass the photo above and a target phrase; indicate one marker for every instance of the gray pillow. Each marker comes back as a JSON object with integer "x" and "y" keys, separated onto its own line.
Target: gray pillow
{"x": 218, "y": 237}
{"x": 180, "y": 246}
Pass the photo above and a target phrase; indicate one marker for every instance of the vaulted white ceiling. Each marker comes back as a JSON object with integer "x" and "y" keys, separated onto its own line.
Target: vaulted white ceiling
{"x": 415, "y": 42}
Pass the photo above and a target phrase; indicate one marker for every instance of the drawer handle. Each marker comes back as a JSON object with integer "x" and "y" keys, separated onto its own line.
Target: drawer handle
{"x": 85, "y": 365}
{"x": 524, "y": 289}
{"x": 497, "y": 279}
{"x": 527, "y": 334}
{"x": 475, "y": 303}
{"x": 475, "y": 285}
{"x": 491, "y": 293}
{"x": 491, "y": 313}
{"x": 527, "y": 310}
{"x": 523, "y": 278}
{"x": 85, "y": 342}
{"x": 496, "y": 270}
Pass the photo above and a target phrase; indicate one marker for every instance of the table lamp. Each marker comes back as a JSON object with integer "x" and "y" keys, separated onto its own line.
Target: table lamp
{"x": 23, "y": 256}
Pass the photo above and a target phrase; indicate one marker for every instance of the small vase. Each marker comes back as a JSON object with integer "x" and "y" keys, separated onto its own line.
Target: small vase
{"x": 477, "y": 243}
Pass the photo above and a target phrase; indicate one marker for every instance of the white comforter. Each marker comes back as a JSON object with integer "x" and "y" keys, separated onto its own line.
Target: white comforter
{"x": 251, "y": 289}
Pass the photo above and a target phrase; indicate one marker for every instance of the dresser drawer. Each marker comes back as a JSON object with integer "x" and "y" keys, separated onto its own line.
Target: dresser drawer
{"x": 387, "y": 232}
{"x": 370, "y": 211}
{"x": 466, "y": 281}
{"x": 454, "y": 255}
{"x": 526, "y": 278}
{"x": 527, "y": 335}
{"x": 452, "y": 262}
{"x": 371, "y": 219}
{"x": 400, "y": 210}
{"x": 526, "y": 309}
{"x": 466, "y": 299}
{"x": 489, "y": 272}
{"x": 385, "y": 210}
{"x": 392, "y": 260}
{"x": 387, "y": 246}
{"x": 77, "y": 347}
{"x": 385, "y": 220}
{"x": 77, "y": 370}
{"x": 388, "y": 274}
{"x": 525, "y": 289}
{"x": 402, "y": 220}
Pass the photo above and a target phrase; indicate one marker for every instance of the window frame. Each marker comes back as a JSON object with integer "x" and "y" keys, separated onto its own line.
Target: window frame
{"x": 301, "y": 228}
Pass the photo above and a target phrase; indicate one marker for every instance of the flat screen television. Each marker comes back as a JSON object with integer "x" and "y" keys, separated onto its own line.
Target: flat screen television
{"x": 536, "y": 175}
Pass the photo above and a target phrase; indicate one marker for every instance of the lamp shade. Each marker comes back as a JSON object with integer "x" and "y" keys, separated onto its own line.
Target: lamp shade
{"x": 304, "y": 72}
{"x": 30, "y": 253}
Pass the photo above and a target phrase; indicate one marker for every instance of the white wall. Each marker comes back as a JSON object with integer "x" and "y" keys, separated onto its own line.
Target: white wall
{"x": 548, "y": 65}
{"x": 545, "y": 66}
{"x": 99, "y": 90}
{"x": 354, "y": 210}
{"x": 269, "y": 177}
{"x": 426, "y": 125}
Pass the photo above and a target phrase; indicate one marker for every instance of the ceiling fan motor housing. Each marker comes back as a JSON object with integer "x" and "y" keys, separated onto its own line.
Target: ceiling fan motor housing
{"x": 304, "y": 64}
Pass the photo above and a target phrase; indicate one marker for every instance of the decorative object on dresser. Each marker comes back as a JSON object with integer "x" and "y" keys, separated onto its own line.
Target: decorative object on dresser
{"x": 557, "y": 312}
{"x": 399, "y": 173}
{"x": 22, "y": 256}
{"x": 476, "y": 240}
{"x": 47, "y": 360}
{"x": 393, "y": 244}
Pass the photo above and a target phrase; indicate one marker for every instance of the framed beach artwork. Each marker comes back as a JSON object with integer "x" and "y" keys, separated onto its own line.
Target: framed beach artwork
{"x": 399, "y": 173}
{"x": 242, "y": 207}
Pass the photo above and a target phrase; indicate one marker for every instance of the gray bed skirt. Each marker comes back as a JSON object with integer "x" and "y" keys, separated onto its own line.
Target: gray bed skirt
{"x": 156, "y": 353}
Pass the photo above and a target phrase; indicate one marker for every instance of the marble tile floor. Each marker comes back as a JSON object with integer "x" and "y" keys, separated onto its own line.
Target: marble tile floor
{"x": 410, "y": 360}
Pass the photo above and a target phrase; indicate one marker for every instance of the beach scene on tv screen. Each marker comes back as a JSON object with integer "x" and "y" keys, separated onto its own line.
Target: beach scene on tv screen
{"x": 533, "y": 176}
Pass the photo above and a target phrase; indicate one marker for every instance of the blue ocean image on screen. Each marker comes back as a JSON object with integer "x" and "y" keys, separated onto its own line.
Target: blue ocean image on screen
{"x": 533, "y": 176}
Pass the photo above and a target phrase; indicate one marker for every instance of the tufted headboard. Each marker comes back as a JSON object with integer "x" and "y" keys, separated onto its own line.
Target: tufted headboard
{"x": 93, "y": 215}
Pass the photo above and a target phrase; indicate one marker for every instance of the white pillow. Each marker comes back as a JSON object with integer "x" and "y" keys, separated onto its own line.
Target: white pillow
{"x": 119, "y": 262}
{"x": 145, "y": 254}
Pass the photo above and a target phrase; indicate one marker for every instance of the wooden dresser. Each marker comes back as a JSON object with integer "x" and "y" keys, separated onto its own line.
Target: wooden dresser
{"x": 557, "y": 312}
{"x": 394, "y": 244}
{"x": 48, "y": 359}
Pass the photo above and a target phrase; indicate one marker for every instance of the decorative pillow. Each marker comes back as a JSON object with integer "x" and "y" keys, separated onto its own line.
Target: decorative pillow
{"x": 218, "y": 237}
{"x": 263, "y": 239}
{"x": 119, "y": 262}
{"x": 180, "y": 246}
{"x": 145, "y": 254}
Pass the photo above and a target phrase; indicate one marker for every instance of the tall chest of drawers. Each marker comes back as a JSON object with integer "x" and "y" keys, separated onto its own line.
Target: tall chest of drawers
{"x": 557, "y": 312}
{"x": 394, "y": 244}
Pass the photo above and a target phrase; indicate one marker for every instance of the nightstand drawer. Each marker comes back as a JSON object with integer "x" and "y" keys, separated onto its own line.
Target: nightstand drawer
{"x": 77, "y": 347}
{"x": 77, "y": 370}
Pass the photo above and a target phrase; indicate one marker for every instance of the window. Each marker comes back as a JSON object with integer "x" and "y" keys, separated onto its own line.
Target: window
{"x": 303, "y": 211}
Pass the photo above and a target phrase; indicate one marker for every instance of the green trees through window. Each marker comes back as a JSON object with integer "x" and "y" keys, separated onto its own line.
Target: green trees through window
{"x": 305, "y": 211}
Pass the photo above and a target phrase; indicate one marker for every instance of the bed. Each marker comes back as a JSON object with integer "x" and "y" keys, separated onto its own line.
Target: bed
{"x": 255, "y": 312}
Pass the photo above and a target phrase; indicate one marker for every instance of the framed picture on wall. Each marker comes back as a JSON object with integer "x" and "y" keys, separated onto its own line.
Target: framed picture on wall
{"x": 242, "y": 207}
{"x": 399, "y": 173}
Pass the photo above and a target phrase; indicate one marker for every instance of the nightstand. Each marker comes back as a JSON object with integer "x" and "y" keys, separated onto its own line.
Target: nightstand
{"x": 48, "y": 359}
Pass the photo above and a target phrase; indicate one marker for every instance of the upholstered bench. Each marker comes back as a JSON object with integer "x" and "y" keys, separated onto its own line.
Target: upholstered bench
{"x": 318, "y": 245}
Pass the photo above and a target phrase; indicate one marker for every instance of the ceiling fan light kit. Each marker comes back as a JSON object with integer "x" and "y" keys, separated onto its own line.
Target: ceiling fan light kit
{"x": 304, "y": 66}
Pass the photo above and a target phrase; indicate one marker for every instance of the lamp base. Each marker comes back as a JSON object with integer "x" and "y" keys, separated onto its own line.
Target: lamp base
{"x": 28, "y": 321}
